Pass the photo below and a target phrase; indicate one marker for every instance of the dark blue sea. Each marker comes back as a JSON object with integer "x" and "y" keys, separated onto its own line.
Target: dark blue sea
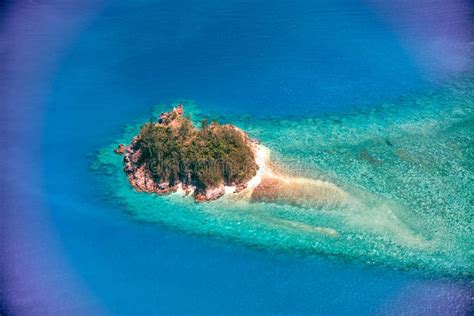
{"x": 73, "y": 74}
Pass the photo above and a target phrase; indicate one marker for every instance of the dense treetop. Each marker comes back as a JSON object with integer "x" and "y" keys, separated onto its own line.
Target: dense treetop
{"x": 175, "y": 151}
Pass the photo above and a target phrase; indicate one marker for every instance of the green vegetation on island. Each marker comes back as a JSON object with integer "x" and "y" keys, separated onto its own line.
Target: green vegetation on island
{"x": 172, "y": 152}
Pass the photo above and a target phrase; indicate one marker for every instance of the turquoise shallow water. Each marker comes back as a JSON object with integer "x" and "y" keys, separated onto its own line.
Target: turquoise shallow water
{"x": 408, "y": 166}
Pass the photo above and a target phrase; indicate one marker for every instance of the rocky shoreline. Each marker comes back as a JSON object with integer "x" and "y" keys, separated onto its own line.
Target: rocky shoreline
{"x": 141, "y": 178}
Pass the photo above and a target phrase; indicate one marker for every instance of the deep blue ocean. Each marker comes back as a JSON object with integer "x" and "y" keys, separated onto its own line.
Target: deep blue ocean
{"x": 76, "y": 72}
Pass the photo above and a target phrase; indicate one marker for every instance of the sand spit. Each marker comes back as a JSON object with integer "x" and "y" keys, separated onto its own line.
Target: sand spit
{"x": 271, "y": 184}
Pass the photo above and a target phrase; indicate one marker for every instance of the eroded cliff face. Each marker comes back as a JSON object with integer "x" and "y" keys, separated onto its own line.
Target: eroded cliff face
{"x": 171, "y": 155}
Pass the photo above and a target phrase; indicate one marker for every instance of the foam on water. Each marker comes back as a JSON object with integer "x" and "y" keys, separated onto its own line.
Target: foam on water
{"x": 408, "y": 167}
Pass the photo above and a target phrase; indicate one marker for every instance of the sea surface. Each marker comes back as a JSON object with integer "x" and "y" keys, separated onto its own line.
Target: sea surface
{"x": 375, "y": 97}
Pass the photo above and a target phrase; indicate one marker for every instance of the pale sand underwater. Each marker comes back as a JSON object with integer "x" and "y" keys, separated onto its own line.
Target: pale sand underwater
{"x": 271, "y": 184}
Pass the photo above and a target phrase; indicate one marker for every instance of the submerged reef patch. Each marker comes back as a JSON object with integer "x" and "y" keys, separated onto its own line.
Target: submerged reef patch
{"x": 406, "y": 168}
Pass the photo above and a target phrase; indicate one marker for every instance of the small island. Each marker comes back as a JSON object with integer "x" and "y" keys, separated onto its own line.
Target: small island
{"x": 171, "y": 154}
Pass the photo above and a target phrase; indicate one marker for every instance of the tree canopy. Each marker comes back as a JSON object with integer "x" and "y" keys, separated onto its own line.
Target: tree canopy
{"x": 175, "y": 151}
